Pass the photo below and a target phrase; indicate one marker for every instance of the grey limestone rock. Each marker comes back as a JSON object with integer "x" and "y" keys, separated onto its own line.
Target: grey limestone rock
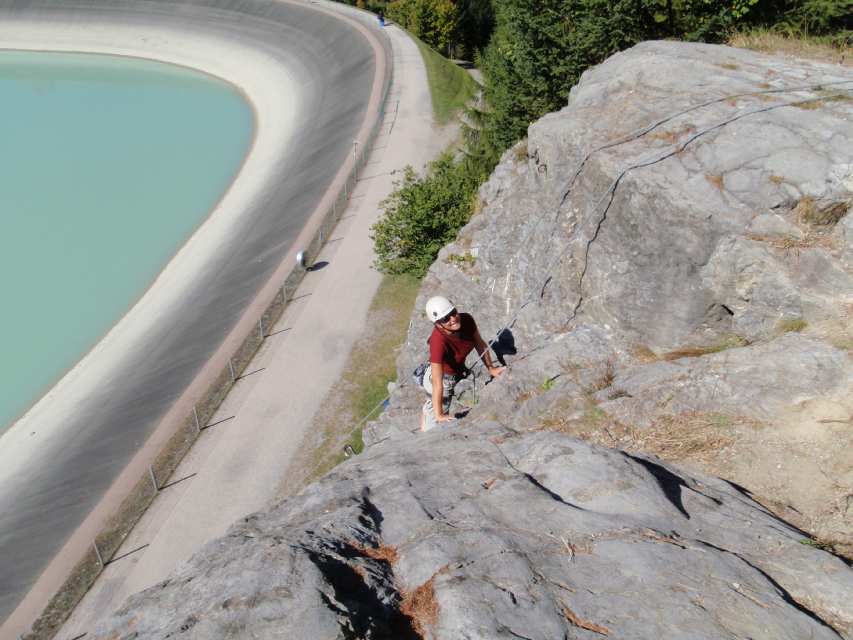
{"x": 490, "y": 533}
{"x": 675, "y": 240}
{"x": 689, "y": 198}
{"x": 758, "y": 382}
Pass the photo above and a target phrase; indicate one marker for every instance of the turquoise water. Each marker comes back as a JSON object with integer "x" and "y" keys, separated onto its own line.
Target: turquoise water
{"x": 107, "y": 166}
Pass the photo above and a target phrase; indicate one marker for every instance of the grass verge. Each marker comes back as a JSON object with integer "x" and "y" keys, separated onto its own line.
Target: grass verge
{"x": 363, "y": 385}
{"x": 450, "y": 86}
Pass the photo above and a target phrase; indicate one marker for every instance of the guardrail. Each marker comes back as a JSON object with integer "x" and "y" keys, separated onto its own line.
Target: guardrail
{"x": 109, "y": 540}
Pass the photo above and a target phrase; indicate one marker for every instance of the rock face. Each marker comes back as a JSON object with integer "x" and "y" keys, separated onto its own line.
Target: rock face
{"x": 485, "y": 533}
{"x": 684, "y": 198}
{"x": 674, "y": 243}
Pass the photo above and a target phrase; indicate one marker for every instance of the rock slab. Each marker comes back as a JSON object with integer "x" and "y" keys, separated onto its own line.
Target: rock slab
{"x": 489, "y": 533}
{"x": 676, "y": 240}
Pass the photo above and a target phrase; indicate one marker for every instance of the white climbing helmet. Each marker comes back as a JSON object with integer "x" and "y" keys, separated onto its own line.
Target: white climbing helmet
{"x": 438, "y": 307}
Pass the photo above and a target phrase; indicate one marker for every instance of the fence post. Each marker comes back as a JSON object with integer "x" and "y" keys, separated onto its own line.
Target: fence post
{"x": 261, "y": 327}
{"x": 153, "y": 479}
{"x": 231, "y": 370}
{"x": 98, "y": 553}
{"x": 197, "y": 423}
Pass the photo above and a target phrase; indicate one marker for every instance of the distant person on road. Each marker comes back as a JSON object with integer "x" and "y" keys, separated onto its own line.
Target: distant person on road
{"x": 454, "y": 336}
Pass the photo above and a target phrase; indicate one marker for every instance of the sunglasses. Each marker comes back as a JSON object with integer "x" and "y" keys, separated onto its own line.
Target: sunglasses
{"x": 445, "y": 319}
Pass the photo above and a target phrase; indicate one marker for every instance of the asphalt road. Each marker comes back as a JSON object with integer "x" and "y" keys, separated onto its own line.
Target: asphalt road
{"x": 334, "y": 65}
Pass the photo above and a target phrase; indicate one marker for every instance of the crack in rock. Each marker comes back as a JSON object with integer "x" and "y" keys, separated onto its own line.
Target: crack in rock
{"x": 783, "y": 592}
{"x": 532, "y": 480}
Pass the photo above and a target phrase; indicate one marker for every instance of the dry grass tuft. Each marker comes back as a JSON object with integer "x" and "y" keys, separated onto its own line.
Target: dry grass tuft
{"x": 729, "y": 65}
{"x": 791, "y": 243}
{"x": 692, "y": 435}
{"x": 840, "y": 336}
{"x": 810, "y": 211}
{"x": 776, "y": 179}
{"x": 791, "y": 325}
{"x": 421, "y": 607}
{"x": 671, "y": 137}
{"x": 772, "y": 42}
{"x": 383, "y": 552}
{"x": 842, "y": 342}
{"x": 524, "y": 396}
{"x": 644, "y": 354}
{"x": 764, "y": 97}
{"x": 579, "y": 622}
{"x": 605, "y": 380}
{"x": 521, "y": 152}
{"x": 811, "y": 105}
{"x": 715, "y": 180}
{"x": 729, "y": 342}
{"x": 836, "y": 97}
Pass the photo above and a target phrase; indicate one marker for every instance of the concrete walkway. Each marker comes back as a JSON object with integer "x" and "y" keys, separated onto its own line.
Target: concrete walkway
{"x": 238, "y": 463}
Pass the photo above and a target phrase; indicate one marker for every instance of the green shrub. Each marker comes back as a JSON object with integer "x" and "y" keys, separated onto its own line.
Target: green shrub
{"x": 819, "y": 17}
{"x": 422, "y": 215}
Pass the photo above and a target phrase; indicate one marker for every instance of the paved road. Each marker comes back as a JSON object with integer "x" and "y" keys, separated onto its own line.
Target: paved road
{"x": 334, "y": 64}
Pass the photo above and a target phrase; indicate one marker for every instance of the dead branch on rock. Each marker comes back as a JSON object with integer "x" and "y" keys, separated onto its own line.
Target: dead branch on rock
{"x": 579, "y": 622}
{"x": 420, "y": 606}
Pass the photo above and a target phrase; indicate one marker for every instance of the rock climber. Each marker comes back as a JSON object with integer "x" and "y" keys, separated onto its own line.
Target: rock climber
{"x": 454, "y": 336}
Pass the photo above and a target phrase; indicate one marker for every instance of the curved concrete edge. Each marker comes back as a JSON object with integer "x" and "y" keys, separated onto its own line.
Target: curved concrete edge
{"x": 269, "y": 89}
{"x": 79, "y": 543}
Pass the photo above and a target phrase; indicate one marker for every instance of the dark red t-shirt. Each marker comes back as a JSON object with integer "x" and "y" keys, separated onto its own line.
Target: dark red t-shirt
{"x": 451, "y": 349}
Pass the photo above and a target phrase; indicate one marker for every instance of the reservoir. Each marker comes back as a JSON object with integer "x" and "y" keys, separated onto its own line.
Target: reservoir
{"x": 107, "y": 167}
